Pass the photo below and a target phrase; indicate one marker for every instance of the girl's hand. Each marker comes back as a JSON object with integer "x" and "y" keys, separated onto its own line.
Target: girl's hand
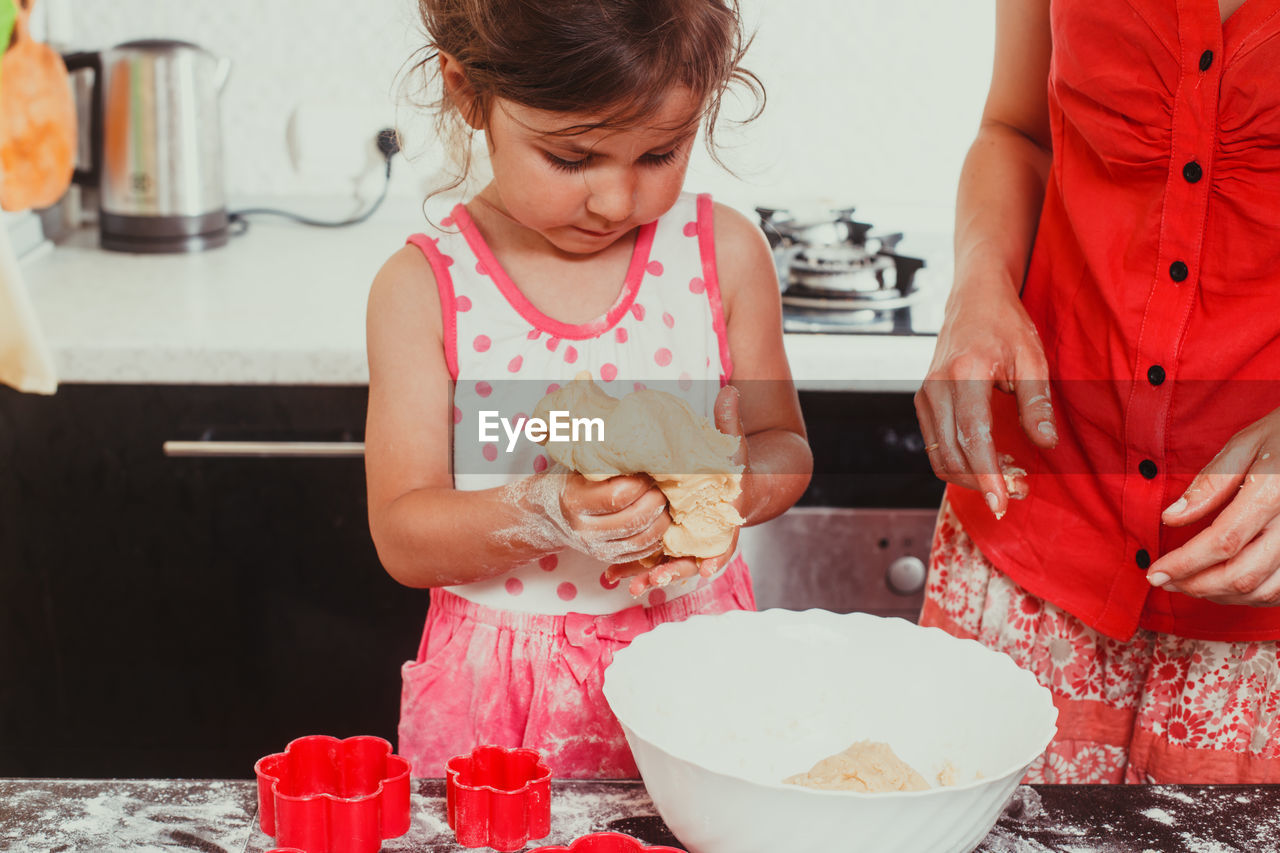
{"x": 645, "y": 574}
{"x": 988, "y": 339}
{"x": 1236, "y": 559}
{"x": 615, "y": 520}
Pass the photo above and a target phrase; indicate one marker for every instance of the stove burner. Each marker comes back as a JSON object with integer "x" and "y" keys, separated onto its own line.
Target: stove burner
{"x": 863, "y": 321}
{"x": 882, "y": 300}
{"x": 838, "y": 276}
{"x": 841, "y": 271}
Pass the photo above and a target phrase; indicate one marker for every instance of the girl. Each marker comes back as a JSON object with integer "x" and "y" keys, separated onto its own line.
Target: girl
{"x": 580, "y": 253}
{"x": 1136, "y": 146}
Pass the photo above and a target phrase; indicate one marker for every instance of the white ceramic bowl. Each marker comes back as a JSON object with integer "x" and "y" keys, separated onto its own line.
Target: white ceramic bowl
{"x": 718, "y": 710}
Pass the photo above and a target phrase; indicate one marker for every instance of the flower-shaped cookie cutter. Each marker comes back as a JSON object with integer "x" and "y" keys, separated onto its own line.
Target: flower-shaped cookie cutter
{"x": 498, "y": 797}
{"x": 326, "y": 795}
{"x": 606, "y": 842}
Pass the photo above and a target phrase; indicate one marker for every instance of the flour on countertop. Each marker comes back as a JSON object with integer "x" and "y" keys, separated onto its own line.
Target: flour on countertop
{"x": 146, "y": 816}
{"x": 577, "y": 809}
{"x": 219, "y": 816}
{"x": 1180, "y": 796}
{"x": 1196, "y": 844}
{"x": 1135, "y": 819}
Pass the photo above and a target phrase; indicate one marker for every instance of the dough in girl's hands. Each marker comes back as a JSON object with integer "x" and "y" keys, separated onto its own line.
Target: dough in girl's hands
{"x": 656, "y": 433}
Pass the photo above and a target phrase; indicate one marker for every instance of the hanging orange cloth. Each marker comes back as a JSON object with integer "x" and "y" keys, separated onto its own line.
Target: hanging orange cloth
{"x": 37, "y": 119}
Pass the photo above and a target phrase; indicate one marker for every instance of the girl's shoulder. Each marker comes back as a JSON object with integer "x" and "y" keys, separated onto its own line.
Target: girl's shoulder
{"x": 403, "y": 298}
{"x": 744, "y": 261}
{"x": 735, "y": 230}
{"x": 730, "y": 224}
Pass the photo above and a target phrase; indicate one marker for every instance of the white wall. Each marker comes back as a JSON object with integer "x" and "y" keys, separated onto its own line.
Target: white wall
{"x": 871, "y": 102}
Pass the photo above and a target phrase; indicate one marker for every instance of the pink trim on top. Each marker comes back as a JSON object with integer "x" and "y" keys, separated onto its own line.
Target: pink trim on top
{"x": 711, "y": 278}
{"x": 592, "y": 328}
{"x": 448, "y": 304}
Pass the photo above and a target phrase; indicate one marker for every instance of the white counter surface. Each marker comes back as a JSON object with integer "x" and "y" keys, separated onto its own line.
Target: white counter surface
{"x": 284, "y": 304}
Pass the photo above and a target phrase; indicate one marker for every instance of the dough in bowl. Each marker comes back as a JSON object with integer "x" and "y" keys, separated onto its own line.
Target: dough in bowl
{"x": 656, "y": 433}
{"x": 867, "y": 766}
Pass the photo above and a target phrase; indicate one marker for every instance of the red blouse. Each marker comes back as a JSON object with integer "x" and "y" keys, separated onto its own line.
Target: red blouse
{"x": 1155, "y": 286}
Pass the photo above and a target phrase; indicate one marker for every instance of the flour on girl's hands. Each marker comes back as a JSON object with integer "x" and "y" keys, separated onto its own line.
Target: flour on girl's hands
{"x": 548, "y": 528}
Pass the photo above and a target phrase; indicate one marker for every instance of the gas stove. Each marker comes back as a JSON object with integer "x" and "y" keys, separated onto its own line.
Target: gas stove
{"x": 840, "y": 276}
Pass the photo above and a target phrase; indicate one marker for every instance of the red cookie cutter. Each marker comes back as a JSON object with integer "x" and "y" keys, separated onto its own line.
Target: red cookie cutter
{"x": 498, "y": 797}
{"x": 326, "y": 795}
{"x": 606, "y": 842}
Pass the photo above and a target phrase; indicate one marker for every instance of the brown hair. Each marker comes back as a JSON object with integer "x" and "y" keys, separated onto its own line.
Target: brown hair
{"x": 615, "y": 59}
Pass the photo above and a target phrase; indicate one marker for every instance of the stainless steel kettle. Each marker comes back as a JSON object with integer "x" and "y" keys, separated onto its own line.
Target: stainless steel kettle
{"x": 156, "y": 143}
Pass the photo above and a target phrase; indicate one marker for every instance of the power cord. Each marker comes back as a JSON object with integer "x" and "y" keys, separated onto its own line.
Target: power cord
{"x": 388, "y": 142}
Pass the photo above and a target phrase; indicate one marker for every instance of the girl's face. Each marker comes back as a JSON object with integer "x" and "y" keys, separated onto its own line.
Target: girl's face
{"x": 583, "y": 191}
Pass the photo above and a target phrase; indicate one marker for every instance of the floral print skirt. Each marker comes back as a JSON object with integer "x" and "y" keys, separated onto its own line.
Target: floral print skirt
{"x": 1154, "y": 708}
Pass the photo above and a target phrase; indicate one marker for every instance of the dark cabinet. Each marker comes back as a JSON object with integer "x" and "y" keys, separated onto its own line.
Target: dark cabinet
{"x": 867, "y": 452}
{"x": 184, "y": 616}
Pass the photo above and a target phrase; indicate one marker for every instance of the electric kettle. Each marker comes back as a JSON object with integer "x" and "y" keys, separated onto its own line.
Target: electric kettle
{"x": 156, "y": 143}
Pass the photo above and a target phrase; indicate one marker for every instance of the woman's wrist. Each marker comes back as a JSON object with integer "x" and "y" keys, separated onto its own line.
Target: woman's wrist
{"x": 980, "y": 287}
{"x": 986, "y": 267}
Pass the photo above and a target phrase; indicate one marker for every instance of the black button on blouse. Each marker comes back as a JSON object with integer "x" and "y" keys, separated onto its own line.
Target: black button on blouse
{"x": 1147, "y": 468}
{"x": 1142, "y": 558}
{"x": 1192, "y": 172}
{"x": 1155, "y": 374}
{"x": 1206, "y": 59}
{"x": 1178, "y": 271}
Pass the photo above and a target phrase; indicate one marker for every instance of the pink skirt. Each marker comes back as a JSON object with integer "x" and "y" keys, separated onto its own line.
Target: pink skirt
{"x": 1154, "y": 708}
{"x": 490, "y": 676}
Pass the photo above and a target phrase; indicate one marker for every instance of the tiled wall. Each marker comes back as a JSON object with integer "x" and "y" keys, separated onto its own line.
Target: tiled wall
{"x": 871, "y": 102}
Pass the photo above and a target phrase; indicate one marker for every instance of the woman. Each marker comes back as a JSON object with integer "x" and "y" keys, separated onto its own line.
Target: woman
{"x": 1112, "y": 519}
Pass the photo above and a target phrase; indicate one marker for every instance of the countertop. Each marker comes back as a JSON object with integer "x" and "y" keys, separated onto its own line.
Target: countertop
{"x": 285, "y": 304}
{"x": 220, "y": 815}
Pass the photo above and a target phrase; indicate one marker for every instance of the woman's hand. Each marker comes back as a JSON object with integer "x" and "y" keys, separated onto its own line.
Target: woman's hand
{"x": 650, "y": 573}
{"x": 987, "y": 340}
{"x": 1236, "y": 559}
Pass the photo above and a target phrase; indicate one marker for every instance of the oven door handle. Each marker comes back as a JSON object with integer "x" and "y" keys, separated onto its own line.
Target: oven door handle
{"x": 265, "y": 449}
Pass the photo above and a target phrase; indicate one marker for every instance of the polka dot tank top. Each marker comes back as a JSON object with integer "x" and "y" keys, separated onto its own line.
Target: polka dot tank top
{"x": 665, "y": 330}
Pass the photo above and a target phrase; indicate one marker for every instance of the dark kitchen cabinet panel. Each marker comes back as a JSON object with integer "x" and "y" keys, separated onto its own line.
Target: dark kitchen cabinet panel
{"x": 867, "y": 452}
{"x": 184, "y": 616}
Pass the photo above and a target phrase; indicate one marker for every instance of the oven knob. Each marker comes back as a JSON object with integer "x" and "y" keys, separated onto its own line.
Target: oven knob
{"x": 906, "y": 575}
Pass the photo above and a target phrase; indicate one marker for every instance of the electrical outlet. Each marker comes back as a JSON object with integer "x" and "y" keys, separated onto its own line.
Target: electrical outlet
{"x": 335, "y": 143}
